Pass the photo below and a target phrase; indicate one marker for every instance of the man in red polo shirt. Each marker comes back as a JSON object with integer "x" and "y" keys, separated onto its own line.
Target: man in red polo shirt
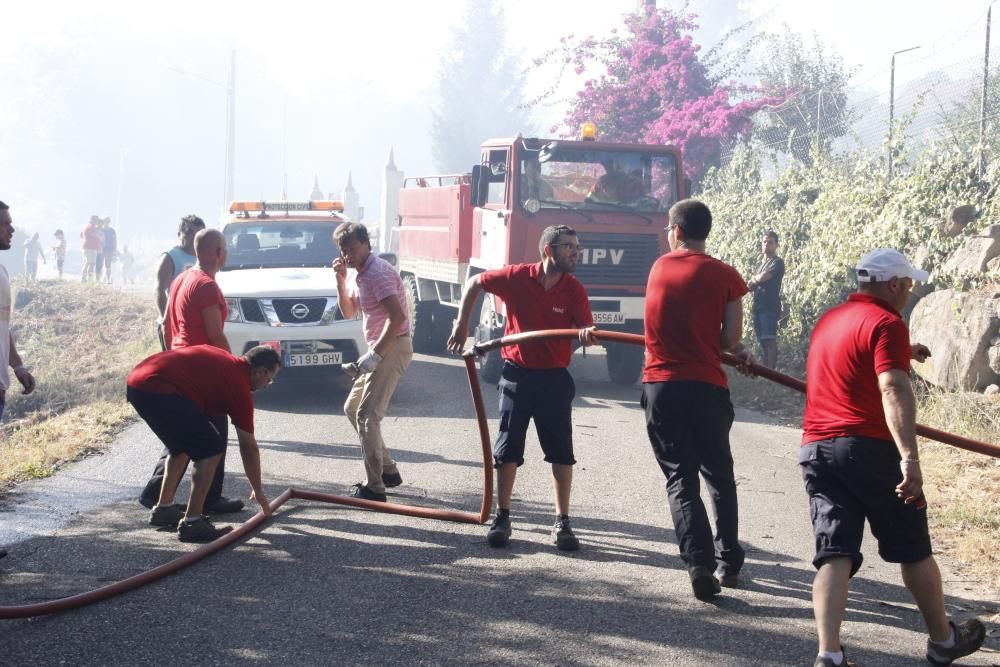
{"x": 179, "y": 393}
{"x": 194, "y": 315}
{"x": 534, "y": 383}
{"x": 694, "y": 313}
{"x": 859, "y": 457}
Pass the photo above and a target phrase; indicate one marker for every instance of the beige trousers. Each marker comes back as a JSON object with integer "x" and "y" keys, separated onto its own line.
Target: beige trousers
{"x": 367, "y": 404}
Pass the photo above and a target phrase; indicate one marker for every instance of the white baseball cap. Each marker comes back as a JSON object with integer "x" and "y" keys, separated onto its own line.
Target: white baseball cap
{"x": 885, "y": 264}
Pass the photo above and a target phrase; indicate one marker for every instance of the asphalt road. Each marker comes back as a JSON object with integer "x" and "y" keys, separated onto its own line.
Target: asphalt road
{"x": 326, "y": 584}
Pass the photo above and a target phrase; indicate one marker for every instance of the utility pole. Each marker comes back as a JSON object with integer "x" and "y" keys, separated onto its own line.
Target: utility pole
{"x": 982, "y": 104}
{"x": 230, "y": 164}
{"x": 230, "y": 134}
{"x": 118, "y": 190}
{"x": 819, "y": 113}
{"x": 892, "y": 99}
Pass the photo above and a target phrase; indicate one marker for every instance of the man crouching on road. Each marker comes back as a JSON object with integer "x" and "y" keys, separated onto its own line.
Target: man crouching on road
{"x": 179, "y": 393}
{"x": 859, "y": 457}
{"x": 374, "y": 288}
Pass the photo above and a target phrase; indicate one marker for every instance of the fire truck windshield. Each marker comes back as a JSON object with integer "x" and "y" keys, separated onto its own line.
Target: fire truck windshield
{"x": 260, "y": 244}
{"x": 598, "y": 180}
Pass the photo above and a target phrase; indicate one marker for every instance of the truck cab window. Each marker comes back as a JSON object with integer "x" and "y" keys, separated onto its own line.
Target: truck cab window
{"x": 600, "y": 180}
{"x": 497, "y": 194}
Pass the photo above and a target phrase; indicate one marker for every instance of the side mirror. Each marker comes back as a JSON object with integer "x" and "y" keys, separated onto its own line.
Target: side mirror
{"x": 480, "y": 185}
{"x": 390, "y": 257}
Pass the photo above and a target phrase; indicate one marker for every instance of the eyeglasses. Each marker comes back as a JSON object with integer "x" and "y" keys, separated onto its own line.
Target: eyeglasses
{"x": 565, "y": 244}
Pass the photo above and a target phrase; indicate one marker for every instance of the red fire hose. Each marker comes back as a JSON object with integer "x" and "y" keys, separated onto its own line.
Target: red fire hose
{"x": 90, "y": 597}
{"x": 96, "y": 595}
{"x": 792, "y": 383}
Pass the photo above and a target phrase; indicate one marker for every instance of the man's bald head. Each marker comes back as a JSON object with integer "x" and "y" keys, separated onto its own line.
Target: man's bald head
{"x": 210, "y": 247}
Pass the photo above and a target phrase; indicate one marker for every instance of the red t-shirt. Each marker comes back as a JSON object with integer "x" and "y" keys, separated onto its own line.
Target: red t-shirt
{"x": 192, "y": 292}
{"x": 531, "y": 308}
{"x": 214, "y": 380}
{"x": 851, "y": 345}
{"x": 686, "y": 298}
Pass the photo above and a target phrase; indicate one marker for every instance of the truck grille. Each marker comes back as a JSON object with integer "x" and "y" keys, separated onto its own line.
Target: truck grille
{"x": 252, "y": 311}
{"x": 299, "y": 311}
{"x": 617, "y": 259}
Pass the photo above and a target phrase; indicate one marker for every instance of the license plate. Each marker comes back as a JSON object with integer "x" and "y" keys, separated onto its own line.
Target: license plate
{"x": 608, "y": 317}
{"x": 314, "y": 359}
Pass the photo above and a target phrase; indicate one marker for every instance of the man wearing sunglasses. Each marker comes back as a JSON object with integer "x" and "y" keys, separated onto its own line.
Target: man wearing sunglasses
{"x": 534, "y": 383}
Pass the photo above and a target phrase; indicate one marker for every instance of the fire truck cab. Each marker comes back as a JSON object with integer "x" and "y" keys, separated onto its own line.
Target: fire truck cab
{"x": 616, "y": 196}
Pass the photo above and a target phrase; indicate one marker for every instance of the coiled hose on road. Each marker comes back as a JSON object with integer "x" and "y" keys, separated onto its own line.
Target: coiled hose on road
{"x": 96, "y": 595}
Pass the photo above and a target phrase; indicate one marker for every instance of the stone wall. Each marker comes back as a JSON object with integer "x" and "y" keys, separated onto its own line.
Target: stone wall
{"x": 961, "y": 328}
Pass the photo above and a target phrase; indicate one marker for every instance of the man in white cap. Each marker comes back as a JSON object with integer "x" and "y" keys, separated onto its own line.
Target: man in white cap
{"x": 859, "y": 457}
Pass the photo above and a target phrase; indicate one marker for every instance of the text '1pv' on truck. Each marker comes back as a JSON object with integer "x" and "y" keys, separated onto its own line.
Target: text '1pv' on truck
{"x": 616, "y": 196}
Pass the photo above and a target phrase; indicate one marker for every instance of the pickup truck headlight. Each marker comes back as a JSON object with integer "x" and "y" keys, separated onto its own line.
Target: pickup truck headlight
{"x": 233, "y": 310}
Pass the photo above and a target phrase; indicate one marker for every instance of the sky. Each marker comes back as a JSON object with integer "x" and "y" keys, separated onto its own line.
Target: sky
{"x": 118, "y": 108}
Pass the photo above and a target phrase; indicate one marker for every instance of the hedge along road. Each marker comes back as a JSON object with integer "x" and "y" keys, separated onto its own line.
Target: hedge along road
{"x": 334, "y": 585}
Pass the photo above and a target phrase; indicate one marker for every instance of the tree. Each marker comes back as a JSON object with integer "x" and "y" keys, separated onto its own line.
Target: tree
{"x": 480, "y": 89}
{"x": 654, "y": 89}
{"x": 813, "y": 82}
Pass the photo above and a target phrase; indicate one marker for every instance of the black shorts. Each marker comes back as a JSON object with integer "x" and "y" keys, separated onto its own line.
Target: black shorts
{"x": 178, "y": 423}
{"x": 852, "y": 479}
{"x": 543, "y": 395}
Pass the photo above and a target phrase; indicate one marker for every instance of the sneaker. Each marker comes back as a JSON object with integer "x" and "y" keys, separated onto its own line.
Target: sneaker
{"x": 562, "y": 535}
{"x": 969, "y": 637}
{"x": 828, "y": 662}
{"x": 224, "y": 506}
{"x": 363, "y": 492}
{"x": 703, "y": 583}
{"x": 727, "y": 580}
{"x": 199, "y": 530}
{"x": 499, "y": 533}
{"x": 391, "y": 479}
{"x": 166, "y": 515}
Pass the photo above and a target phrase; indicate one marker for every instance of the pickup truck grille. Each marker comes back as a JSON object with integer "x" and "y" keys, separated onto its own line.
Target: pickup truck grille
{"x": 299, "y": 311}
{"x": 616, "y": 259}
{"x": 291, "y": 311}
{"x": 252, "y": 311}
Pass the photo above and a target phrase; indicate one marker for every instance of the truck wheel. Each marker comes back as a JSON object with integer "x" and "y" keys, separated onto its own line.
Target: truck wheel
{"x": 421, "y": 315}
{"x": 625, "y": 362}
{"x": 444, "y": 319}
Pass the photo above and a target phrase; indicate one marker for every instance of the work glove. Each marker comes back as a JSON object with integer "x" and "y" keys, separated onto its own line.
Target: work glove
{"x": 368, "y": 361}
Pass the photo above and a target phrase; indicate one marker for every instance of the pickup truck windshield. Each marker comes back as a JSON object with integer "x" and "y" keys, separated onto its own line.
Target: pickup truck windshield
{"x": 279, "y": 243}
{"x": 593, "y": 180}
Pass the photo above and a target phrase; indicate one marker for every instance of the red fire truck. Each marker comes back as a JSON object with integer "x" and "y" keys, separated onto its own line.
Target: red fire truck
{"x": 615, "y": 195}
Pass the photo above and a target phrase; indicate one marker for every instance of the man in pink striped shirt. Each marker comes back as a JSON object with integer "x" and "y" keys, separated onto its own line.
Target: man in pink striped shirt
{"x": 374, "y": 288}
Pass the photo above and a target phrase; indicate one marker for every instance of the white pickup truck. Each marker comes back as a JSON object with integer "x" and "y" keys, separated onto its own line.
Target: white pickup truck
{"x": 280, "y": 287}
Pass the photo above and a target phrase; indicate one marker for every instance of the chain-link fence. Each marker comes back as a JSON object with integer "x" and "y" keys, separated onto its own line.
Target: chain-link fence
{"x": 944, "y": 103}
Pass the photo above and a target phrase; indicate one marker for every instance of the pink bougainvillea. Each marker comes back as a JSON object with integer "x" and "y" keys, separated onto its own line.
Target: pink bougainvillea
{"x": 654, "y": 89}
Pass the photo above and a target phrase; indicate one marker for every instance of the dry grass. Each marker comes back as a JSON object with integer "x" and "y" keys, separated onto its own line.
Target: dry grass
{"x": 963, "y": 488}
{"x": 80, "y": 342}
